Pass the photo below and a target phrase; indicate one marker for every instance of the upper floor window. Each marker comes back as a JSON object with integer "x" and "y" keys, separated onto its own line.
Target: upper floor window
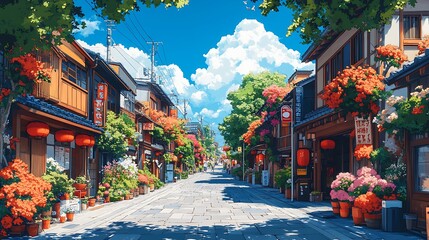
{"x": 74, "y": 73}
{"x": 357, "y": 48}
{"x": 412, "y": 27}
{"x": 112, "y": 100}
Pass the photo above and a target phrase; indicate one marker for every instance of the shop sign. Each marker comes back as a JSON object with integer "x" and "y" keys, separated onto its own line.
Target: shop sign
{"x": 102, "y": 91}
{"x": 286, "y": 116}
{"x": 298, "y": 103}
{"x": 363, "y": 130}
{"x": 99, "y": 112}
{"x": 148, "y": 126}
{"x": 301, "y": 171}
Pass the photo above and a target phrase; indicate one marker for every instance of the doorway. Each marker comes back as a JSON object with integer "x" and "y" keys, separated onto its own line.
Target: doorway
{"x": 334, "y": 161}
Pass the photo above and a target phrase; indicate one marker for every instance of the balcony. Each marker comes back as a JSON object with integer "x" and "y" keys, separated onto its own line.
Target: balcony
{"x": 41, "y": 90}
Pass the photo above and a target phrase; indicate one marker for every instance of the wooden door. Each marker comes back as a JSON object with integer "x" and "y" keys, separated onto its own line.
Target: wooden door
{"x": 38, "y": 156}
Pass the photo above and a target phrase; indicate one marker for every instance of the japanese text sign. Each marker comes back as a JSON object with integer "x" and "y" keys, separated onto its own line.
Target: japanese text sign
{"x": 102, "y": 91}
{"x": 286, "y": 115}
{"x": 363, "y": 130}
{"x": 99, "y": 112}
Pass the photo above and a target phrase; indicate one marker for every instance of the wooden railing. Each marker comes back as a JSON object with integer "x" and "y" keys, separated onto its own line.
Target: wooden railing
{"x": 41, "y": 90}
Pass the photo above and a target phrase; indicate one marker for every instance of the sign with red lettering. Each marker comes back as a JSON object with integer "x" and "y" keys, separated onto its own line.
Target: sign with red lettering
{"x": 286, "y": 116}
{"x": 148, "y": 126}
{"x": 363, "y": 130}
{"x": 99, "y": 112}
{"x": 102, "y": 91}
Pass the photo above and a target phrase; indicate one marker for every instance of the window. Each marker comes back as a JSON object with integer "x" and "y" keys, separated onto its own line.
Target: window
{"x": 412, "y": 27}
{"x": 327, "y": 73}
{"x": 58, "y": 152}
{"x": 422, "y": 168}
{"x": 73, "y": 73}
{"x": 346, "y": 55}
{"x": 357, "y": 48}
{"x": 337, "y": 65}
{"x": 111, "y": 100}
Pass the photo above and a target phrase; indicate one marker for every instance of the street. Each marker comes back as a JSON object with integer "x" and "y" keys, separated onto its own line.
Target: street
{"x": 213, "y": 206}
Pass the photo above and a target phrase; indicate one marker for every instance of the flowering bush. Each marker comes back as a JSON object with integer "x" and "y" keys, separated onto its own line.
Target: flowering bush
{"x": 363, "y": 151}
{"x": 355, "y": 90}
{"x": 410, "y": 114}
{"x": 247, "y": 137}
{"x": 21, "y": 194}
{"x": 368, "y": 202}
{"x": 391, "y": 55}
{"x": 275, "y": 94}
{"x": 53, "y": 166}
{"x": 423, "y": 44}
{"x": 340, "y": 186}
{"x": 369, "y": 181}
{"x": 143, "y": 179}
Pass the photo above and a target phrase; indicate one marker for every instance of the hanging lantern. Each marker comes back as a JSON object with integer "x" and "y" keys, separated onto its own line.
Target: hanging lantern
{"x": 64, "y": 136}
{"x": 91, "y": 141}
{"x": 253, "y": 152}
{"x": 303, "y": 157}
{"x": 83, "y": 140}
{"x": 260, "y": 157}
{"x": 327, "y": 144}
{"x": 38, "y": 129}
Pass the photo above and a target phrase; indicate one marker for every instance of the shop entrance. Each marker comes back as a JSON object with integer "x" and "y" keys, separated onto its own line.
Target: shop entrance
{"x": 334, "y": 161}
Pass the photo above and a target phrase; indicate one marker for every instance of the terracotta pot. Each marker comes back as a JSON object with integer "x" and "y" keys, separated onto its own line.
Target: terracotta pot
{"x": 80, "y": 186}
{"x": 357, "y": 216}
{"x": 17, "y": 230}
{"x": 344, "y": 212}
{"x": 62, "y": 219}
{"x": 56, "y": 210}
{"x": 69, "y": 216}
{"x": 373, "y": 220}
{"x": 32, "y": 229}
{"x": 91, "y": 202}
{"x": 46, "y": 224}
{"x": 141, "y": 190}
{"x": 152, "y": 187}
{"x": 288, "y": 193}
{"x": 335, "y": 207}
{"x": 106, "y": 199}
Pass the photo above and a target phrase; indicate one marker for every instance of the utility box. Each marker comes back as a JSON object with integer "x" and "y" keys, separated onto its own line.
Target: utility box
{"x": 392, "y": 216}
{"x": 303, "y": 189}
{"x": 265, "y": 178}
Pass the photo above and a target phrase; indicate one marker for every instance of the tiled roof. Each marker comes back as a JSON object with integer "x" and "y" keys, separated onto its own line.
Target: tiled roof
{"x": 43, "y": 106}
{"x": 315, "y": 114}
{"x": 408, "y": 67}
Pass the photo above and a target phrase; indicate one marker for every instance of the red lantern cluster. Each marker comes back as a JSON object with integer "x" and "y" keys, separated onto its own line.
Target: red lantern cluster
{"x": 303, "y": 157}
{"x": 64, "y": 136}
{"x": 83, "y": 140}
{"x": 327, "y": 144}
{"x": 38, "y": 129}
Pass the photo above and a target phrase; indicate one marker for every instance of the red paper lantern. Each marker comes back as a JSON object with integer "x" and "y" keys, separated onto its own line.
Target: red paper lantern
{"x": 260, "y": 157}
{"x": 253, "y": 152}
{"x": 38, "y": 129}
{"x": 92, "y": 141}
{"x": 303, "y": 157}
{"x": 83, "y": 140}
{"x": 64, "y": 136}
{"x": 327, "y": 144}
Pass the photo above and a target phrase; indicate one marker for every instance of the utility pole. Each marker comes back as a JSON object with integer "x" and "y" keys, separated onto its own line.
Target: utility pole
{"x": 109, "y": 24}
{"x": 184, "y": 109}
{"x": 152, "y": 67}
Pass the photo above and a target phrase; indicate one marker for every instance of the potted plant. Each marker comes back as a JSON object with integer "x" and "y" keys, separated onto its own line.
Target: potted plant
{"x": 62, "y": 185}
{"x": 46, "y": 222}
{"x": 143, "y": 183}
{"x": 70, "y": 214}
{"x": 91, "y": 201}
{"x": 371, "y": 208}
{"x": 81, "y": 186}
{"x": 62, "y": 218}
{"x": 84, "y": 203}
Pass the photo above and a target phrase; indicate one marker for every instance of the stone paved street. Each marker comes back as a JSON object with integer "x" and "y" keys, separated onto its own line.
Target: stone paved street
{"x": 213, "y": 206}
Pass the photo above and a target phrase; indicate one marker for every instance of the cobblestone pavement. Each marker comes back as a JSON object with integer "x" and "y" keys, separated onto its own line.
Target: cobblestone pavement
{"x": 213, "y": 206}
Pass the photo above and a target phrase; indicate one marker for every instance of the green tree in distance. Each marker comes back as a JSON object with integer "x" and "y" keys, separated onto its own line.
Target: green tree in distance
{"x": 246, "y": 101}
{"x": 310, "y": 18}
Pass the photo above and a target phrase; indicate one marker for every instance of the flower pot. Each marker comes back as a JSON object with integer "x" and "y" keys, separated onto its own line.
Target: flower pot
{"x": 373, "y": 220}
{"x": 91, "y": 202}
{"x": 80, "y": 186}
{"x": 32, "y": 229}
{"x": 83, "y": 206}
{"x": 106, "y": 199}
{"x": 345, "y": 209}
{"x": 69, "y": 216}
{"x": 17, "y": 230}
{"x": 357, "y": 215}
{"x": 46, "y": 223}
{"x": 56, "y": 210}
{"x": 288, "y": 193}
{"x": 62, "y": 219}
{"x": 335, "y": 207}
{"x": 410, "y": 221}
{"x": 127, "y": 197}
{"x": 142, "y": 190}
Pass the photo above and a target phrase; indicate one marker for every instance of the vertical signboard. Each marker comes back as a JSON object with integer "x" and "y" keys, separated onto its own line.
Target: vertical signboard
{"x": 298, "y": 103}
{"x": 99, "y": 104}
{"x": 286, "y": 116}
{"x": 363, "y": 130}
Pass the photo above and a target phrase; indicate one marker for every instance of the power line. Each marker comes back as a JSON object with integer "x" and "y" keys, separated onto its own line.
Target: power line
{"x": 134, "y": 15}
{"x": 126, "y": 59}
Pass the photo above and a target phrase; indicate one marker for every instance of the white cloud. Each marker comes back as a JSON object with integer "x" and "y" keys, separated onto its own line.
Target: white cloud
{"x": 210, "y": 113}
{"x": 250, "y": 49}
{"x": 198, "y": 97}
{"x": 91, "y": 27}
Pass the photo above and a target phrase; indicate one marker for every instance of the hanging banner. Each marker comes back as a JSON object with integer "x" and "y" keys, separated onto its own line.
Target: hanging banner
{"x": 102, "y": 91}
{"x": 298, "y": 103}
{"x": 363, "y": 130}
{"x": 99, "y": 112}
{"x": 286, "y": 116}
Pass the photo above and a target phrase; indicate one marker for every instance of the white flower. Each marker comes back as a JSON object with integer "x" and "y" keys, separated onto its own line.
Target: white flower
{"x": 392, "y": 117}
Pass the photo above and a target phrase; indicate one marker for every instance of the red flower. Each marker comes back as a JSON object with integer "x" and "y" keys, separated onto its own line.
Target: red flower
{"x": 418, "y": 110}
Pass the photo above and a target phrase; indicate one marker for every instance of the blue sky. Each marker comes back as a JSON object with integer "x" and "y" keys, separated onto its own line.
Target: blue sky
{"x": 207, "y": 47}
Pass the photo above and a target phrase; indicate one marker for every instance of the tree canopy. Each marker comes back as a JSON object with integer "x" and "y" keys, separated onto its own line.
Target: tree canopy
{"x": 30, "y": 24}
{"x": 312, "y": 17}
{"x": 246, "y": 101}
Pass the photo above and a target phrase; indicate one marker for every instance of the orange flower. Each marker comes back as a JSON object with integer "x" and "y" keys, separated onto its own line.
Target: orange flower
{"x": 423, "y": 44}
{"x": 391, "y": 54}
{"x": 418, "y": 110}
{"x": 368, "y": 202}
{"x": 363, "y": 151}
{"x": 6, "y": 222}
